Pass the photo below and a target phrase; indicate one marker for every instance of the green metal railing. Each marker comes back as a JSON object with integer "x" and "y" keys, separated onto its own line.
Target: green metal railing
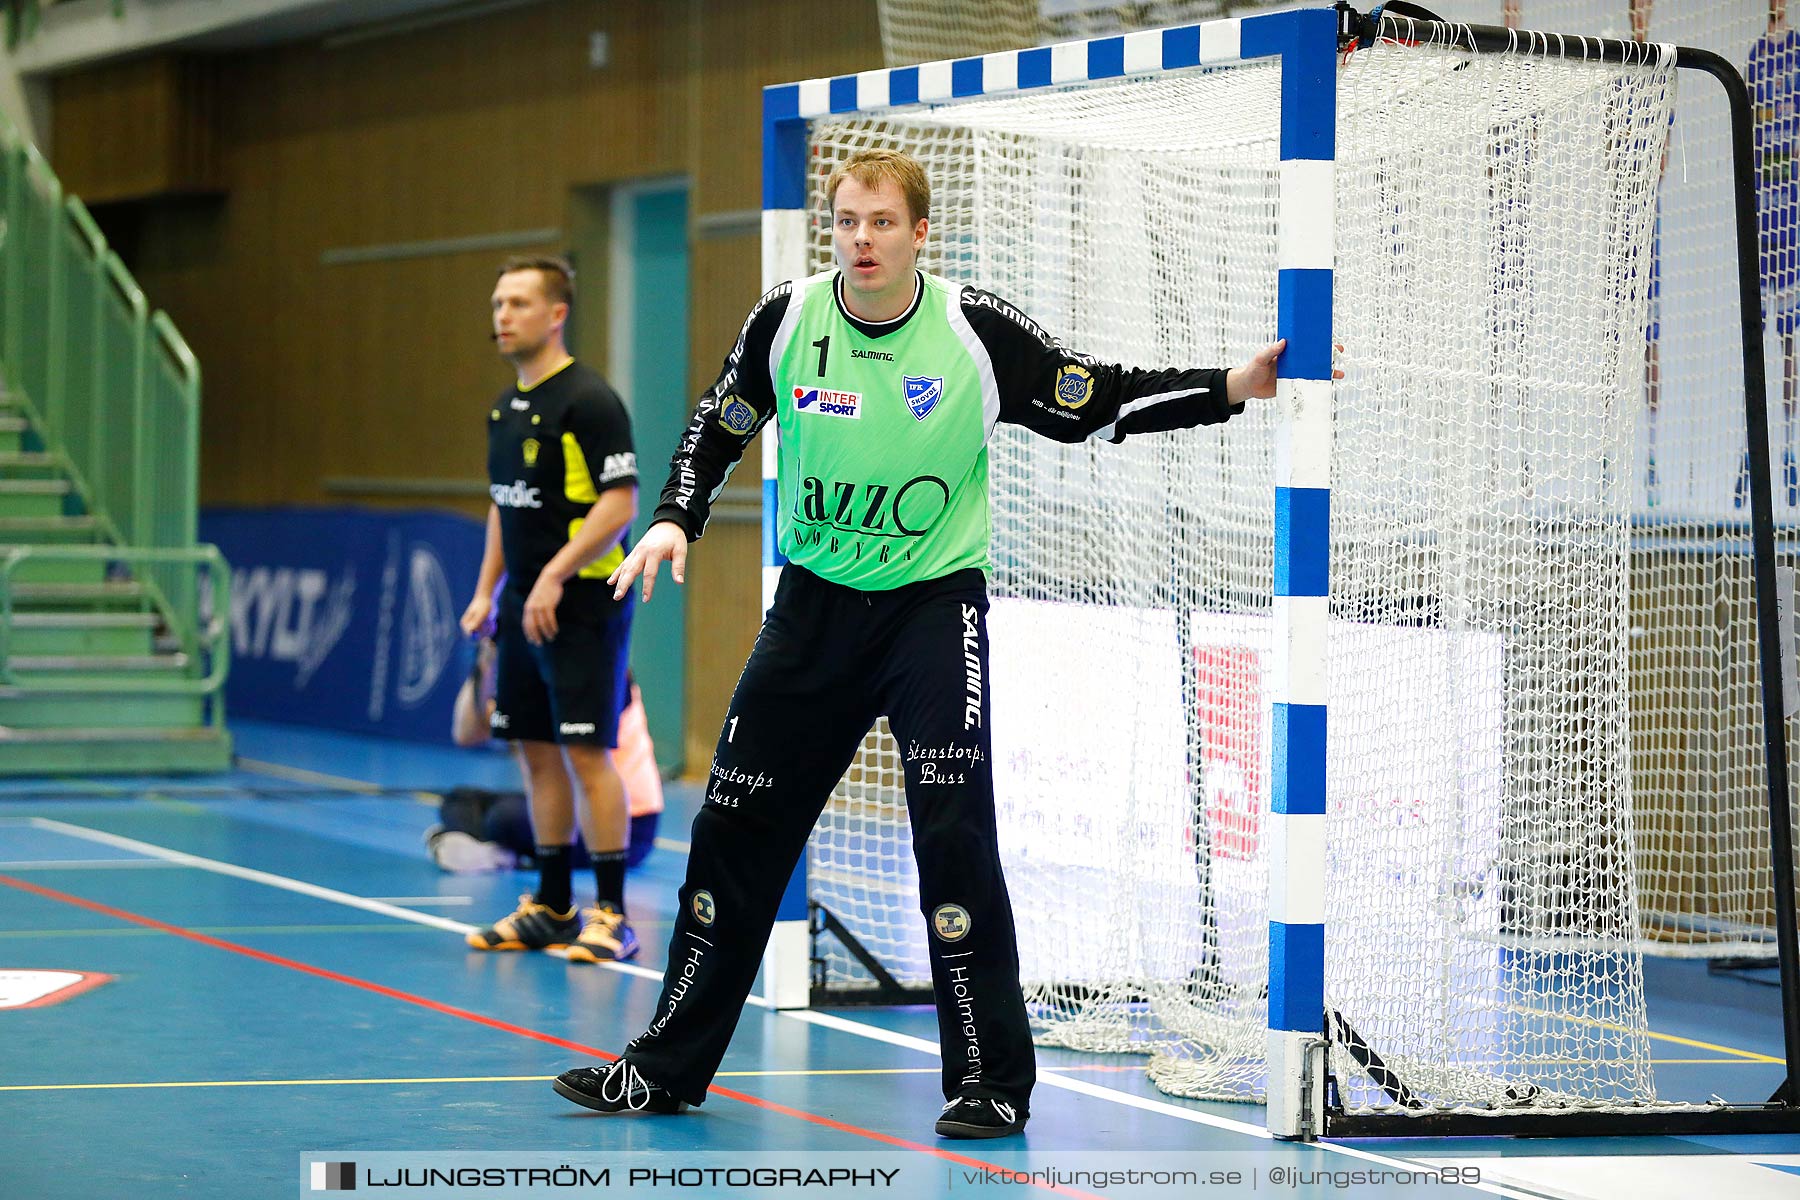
{"x": 109, "y": 386}
{"x": 206, "y": 643}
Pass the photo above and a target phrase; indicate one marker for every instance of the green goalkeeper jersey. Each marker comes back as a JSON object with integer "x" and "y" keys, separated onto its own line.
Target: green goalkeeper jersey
{"x": 883, "y": 441}
{"x": 883, "y": 426}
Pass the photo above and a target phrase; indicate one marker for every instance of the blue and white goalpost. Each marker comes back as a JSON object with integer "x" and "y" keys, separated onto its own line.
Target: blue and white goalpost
{"x": 1173, "y": 617}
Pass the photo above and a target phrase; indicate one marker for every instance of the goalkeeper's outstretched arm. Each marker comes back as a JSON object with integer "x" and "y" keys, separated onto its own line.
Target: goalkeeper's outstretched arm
{"x": 1069, "y": 396}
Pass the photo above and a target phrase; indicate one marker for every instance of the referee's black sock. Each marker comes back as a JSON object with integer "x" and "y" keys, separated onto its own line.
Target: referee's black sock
{"x": 609, "y": 877}
{"x": 554, "y": 890}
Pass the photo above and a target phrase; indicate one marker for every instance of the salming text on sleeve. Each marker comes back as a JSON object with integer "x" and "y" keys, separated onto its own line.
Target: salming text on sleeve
{"x": 730, "y": 414}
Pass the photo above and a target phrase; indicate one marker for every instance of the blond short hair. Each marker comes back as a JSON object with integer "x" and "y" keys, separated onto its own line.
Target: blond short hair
{"x": 872, "y": 168}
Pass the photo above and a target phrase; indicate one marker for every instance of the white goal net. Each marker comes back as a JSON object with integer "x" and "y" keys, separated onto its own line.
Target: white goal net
{"x": 1699, "y": 783}
{"x": 1702, "y": 819}
{"x": 1495, "y": 221}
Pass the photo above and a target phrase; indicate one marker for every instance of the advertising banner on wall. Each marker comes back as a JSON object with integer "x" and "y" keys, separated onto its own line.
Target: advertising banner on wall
{"x": 347, "y": 618}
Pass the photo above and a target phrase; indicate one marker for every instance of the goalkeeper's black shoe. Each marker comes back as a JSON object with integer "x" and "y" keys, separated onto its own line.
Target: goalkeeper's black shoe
{"x": 616, "y": 1087}
{"x": 973, "y": 1117}
{"x": 531, "y": 926}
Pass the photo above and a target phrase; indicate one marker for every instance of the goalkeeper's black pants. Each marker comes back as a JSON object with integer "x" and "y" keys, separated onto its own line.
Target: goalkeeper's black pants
{"x": 829, "y": 660}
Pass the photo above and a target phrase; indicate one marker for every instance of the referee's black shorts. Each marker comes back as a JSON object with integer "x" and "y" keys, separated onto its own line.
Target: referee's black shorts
{"x": 572, "y": 688}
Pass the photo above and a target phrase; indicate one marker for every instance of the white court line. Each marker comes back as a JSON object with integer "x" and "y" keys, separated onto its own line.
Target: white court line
{"x": 426, "y": 901}
{"x": 822, "y": 1020}
{"x": 232, "y": 869}
{"x": 286, "y": 884}
{"x": 1083, "y": 1087}
{"x": 80, "y": 864}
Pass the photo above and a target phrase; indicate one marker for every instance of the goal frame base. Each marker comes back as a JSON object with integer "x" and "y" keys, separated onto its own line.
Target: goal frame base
{"x": 886, "y": 989}
{"x": 1716, "y": 1119}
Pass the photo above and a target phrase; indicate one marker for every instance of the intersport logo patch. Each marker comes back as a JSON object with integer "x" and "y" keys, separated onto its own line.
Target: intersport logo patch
{"x": 829, "y": 403}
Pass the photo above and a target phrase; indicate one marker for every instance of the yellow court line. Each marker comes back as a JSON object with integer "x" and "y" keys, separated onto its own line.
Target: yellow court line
{"x": 302, "y": 775}
{"x": 162, "y": 801}
{"x": 1746, "y": 1055}
{"x": 339, "y": 783}
{"x": 1551, "y": 1063}
{"x": 54, "y": 789}
{"x": 231, "y": 1083}
{"x": 1743, "y": 1055}
{"x": 1749, "y": 1055}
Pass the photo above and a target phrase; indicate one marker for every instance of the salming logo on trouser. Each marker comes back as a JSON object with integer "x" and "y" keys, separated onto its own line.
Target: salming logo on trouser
{"x": 828, "y": 662}
{"x": 938, "y": 711}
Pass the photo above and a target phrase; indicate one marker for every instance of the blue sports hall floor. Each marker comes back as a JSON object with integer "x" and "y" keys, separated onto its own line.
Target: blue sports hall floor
{"x": 264, "y": 971}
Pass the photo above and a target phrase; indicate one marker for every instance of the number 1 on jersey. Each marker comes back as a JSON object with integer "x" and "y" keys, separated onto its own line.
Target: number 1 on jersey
{"x": 824, "y": 348}
{"x": 732, "y": 733}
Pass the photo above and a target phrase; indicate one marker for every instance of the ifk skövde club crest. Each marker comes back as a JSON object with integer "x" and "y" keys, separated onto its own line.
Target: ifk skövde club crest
{"x": 922, "y": 394}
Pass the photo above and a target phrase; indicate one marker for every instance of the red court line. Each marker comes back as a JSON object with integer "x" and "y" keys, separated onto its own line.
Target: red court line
{"x": 451, "y": 1010}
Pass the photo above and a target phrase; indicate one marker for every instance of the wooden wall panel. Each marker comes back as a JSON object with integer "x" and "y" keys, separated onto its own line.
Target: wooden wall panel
{"x": 316, "y": 372}
{"x": 725, "y": 588}
{"x": 742, "y": 47}
{"x": 167, "y": 146}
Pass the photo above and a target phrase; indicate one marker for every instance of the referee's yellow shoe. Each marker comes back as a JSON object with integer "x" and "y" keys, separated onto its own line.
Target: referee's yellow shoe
{"x": 605, "y": 937}
{"x": 531, "y": 926}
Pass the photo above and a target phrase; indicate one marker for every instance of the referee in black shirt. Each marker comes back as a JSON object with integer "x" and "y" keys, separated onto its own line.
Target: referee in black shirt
{"x": 563, "y": 477}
